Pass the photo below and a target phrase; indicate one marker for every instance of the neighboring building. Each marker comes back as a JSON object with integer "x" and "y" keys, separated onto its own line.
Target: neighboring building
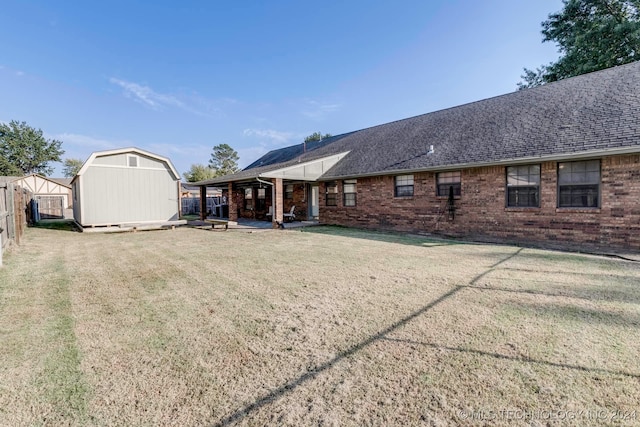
{"x": 126, "y": 187}
{"x": 52, "y": 194}
{"x": 556, "y": 165}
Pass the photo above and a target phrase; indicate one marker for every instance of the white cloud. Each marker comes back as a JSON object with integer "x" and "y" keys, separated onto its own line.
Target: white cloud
{"x": 193, "y": 151}
{"x": 317, "y": 111}
{"x": 271, "y": 134}
{"x": 145, "y": 95}
{"x": 88, "y": 142}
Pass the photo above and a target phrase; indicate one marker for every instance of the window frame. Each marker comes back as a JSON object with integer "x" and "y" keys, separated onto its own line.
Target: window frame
{"x": 524, "y": 187}
{"x": 400, "y": 189}
{"x": 288, "y": 191}
{"x": 248, "y": 199}
{"x": 334, "y": 194}
{"x": 457, "y": 185}
{"x": 349, "y": 198}
{"x": 579, "y": 185}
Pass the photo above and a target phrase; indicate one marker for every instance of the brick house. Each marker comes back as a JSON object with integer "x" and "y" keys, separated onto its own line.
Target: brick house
{"x": 554, "y": 166}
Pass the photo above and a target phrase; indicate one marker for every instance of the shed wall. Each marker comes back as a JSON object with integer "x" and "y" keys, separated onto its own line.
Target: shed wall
{"x": 112, "y": 193}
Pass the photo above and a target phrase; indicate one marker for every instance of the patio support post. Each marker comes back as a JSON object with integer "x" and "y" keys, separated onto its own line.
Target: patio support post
{"x": 233, "y": 203}
{"x": 278, "y": 203}
{"x": 203, "y": 202}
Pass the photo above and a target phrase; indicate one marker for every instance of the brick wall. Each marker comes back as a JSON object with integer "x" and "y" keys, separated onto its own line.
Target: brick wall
{"x": 481, "y": 212}
{"x": 299, "y": 200}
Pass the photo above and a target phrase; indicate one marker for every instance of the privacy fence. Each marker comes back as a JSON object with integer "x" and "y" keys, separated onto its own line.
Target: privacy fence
{"x": 215, "y": 206}
{"x": 15, "y": 207}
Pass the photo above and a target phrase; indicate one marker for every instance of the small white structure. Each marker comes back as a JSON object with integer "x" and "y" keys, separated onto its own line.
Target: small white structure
{"x": 128, "y": 188}
{"x": 53, "y": 194}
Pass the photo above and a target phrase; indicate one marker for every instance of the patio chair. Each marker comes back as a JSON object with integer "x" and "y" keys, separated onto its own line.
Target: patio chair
{"x": 290, "y": 215}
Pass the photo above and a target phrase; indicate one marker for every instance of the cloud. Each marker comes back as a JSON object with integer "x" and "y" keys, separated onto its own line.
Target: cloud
{"x": 317, "y": 111}
{"x": 271, "y": 134}
{"x": 146, "y": 96}
{"x": 193, "y": 151}
{"x": 88, "y": 142}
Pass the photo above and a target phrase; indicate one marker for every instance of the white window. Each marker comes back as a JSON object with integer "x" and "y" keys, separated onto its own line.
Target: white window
{"x": 403, "y": 186}
{"x": 579, "y": 184}
{"x": 349, "y": 192}
{"x": 448, "y": 181}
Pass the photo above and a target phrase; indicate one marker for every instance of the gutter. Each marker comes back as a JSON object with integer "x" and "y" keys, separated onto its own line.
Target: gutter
{"x": 524, "y": 160}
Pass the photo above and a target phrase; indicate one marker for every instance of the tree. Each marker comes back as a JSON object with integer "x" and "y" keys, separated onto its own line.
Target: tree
{"x": 591, "y": 35}
{"x": 71, "y": 167}
{"x": 199, "y": 172}
{"x": 224, "y": 160}
{"x": 23, "y": 150}
{"x": 317, "y": 136}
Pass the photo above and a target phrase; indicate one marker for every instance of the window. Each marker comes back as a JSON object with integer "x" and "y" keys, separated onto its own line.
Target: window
{"x": 288, "y": 191}
{"x": 132, "y": 161}
{"x": 248, "y": 199}
{"x": 349, "y": 191}
{"x": 579, "y": 184}
{"x": 446, "y": 180}
{"x": 523, "y": 186}
{"x": 261, "y": 203}
{"x": 331, "y": 194}
{"x": 404, "y": 186}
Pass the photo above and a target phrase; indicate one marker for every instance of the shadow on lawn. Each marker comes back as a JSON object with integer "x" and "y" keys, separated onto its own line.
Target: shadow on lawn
{"x": 57, "y": 224}
{"x": 383, "y": 335}
{"x": 381, "y": 236}
{"x": 513, "y": 358}
{"x": 293, "y": 384}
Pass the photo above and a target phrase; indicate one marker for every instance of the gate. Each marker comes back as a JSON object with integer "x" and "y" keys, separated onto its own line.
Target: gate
{"x": 51, "y": 207}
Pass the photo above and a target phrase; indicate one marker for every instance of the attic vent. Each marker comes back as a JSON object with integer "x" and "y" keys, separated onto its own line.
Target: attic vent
{"x": 132, "y": 161}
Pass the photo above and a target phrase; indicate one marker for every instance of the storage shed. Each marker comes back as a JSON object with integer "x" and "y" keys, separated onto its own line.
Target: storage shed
{"x": 126, "y": 187}
{"x": 52, "y": 194}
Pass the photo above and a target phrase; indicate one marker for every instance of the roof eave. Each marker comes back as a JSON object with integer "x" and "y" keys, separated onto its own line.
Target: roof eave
{"x": 517, "y": 161}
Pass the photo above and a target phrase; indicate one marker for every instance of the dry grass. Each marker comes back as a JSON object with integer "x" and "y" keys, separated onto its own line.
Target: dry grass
{"x": 323, "y": 327}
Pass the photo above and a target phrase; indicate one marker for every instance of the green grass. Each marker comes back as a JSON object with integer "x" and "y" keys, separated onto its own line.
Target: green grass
{"x": 325, "y": 326}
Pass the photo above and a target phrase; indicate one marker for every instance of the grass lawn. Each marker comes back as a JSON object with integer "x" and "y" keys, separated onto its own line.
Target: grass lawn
{"x": 327, "y": 326}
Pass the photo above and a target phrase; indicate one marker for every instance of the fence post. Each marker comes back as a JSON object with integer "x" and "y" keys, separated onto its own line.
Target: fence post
{"x": 11, "y": 229}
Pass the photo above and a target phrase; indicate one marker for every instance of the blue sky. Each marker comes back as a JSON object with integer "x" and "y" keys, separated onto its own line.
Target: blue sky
{"x": 177, "y": 78}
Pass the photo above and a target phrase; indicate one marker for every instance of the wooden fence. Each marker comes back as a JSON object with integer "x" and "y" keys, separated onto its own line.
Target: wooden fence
{"x": 191, "y": 205}
{"x": 14, "y": 211}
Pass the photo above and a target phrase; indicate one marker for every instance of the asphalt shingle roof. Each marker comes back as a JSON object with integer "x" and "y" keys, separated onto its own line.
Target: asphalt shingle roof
{"x": 594, "y": 112}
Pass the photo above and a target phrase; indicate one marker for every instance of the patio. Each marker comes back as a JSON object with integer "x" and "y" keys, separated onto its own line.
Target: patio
{"x": 251, "y": 225}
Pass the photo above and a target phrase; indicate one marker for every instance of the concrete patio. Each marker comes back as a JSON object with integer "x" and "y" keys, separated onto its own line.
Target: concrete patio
{"x": 249, "y": 225}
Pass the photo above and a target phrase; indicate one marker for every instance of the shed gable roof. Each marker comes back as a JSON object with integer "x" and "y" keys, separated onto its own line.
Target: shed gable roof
{"x": 131, "y": 150}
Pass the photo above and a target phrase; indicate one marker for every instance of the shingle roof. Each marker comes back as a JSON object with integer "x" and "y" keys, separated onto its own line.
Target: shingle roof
{"x": 292, "y": 152}
{"x": 592, "y": 113}
{"x": 64, "y": 181}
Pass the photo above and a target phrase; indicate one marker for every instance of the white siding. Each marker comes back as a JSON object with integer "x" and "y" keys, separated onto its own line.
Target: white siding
{"x": 113, "y": 193}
